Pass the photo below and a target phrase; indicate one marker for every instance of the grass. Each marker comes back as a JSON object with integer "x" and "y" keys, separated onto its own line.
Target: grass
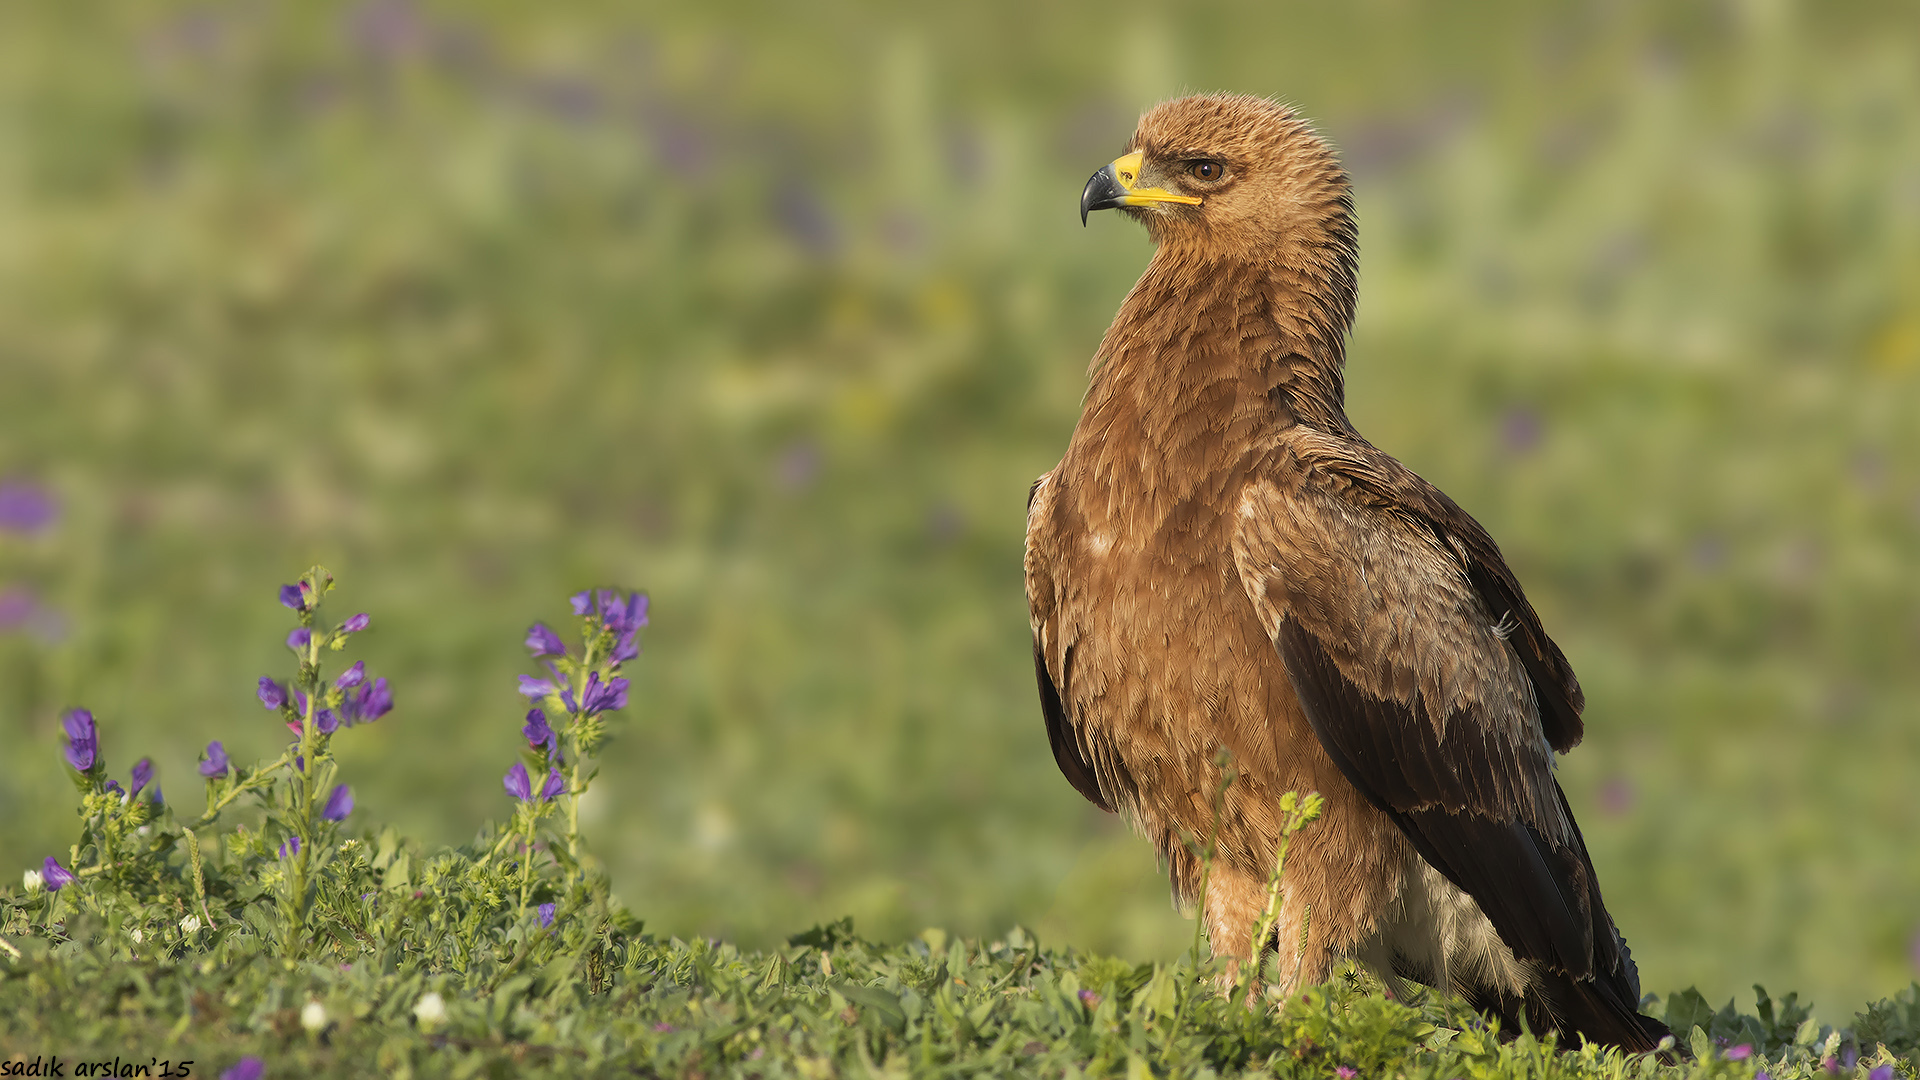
{"x": 778, "y": 316}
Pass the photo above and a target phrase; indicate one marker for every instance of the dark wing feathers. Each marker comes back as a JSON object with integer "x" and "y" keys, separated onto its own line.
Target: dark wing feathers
{"x": 1067, "y": 752}
{"x": 1469, "y": 782}
{"x": 1456, "y": 799}
{"x": 1352, "y": 467}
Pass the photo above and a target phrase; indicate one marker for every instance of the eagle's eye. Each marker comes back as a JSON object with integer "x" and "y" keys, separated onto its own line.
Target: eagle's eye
{"x": 1206, "y": 170}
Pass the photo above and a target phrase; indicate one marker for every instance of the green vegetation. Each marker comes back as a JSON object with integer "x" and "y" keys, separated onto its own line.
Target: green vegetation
{"x": 295, "y": 947}
{"x": 776, "y": 313}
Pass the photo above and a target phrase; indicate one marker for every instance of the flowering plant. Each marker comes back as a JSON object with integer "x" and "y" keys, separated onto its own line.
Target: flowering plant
{"x": 300, "y": 883}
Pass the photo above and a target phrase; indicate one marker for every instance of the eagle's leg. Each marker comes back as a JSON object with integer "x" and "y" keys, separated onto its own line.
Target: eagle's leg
{"x": 1235, "y": 903}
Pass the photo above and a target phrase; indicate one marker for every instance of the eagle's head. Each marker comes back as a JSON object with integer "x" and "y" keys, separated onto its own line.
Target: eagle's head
{"x": 1233, "y": 176}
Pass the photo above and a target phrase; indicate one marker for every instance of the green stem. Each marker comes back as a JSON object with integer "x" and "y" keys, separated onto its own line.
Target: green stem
{"x": 526, "y": 862}
{"x": 303, "y": 786}
{"x": 573, "y": 779}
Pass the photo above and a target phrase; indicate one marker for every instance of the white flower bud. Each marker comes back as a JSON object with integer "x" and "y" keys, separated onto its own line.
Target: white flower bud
{"x": 33, "y": 881}
{"x": 138, "y": 935}
{"x": 313, "y": 1017}
{"x": 190, "y": 924}
{"x": 430, "y": 1010}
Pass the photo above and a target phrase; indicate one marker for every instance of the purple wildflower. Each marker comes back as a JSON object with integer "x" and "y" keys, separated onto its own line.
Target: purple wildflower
{"x": 1739, "y": 1053}
{"x": 555, "y": 785}
{"x": 546, "y": 919}
{"x": 1883, "y": 1072}
{"x": 353, "y": 676}
{"x": 271, "y": 694}
{"x": 25, "y": 507}
{"x": 1345, "y": 1073}
{"x": 1090, "y": 999}
{"x": 517, "y": 784}
{"x": 542, "y": 641}
{"x": 55, "y": 876}
{"x": 620, "y": 615}
{"x": 603, "y": 697}
{"x": 290, "y": 847}
{"x": 247, "y": 1068}
{"x": 535, "y": 689}
{"x": 114, "y": 786}
{"x": 1762, "y": 1075}
{"x": 582, "y": 602}
{"x": 216, "y": 762}
{"x": 82, "y": 739}
{"x": 356, "y": 624}
{"x": 537, "y": 731}
{"x": 326, "y": 721}
{"x": 369, "y": 702}
{"x": 1848, "y": 1055}
{"x": 339, "y": 804}
{"x": 157, "y": 800}
{"x": 299, "y": 639}
{"x": 294, "y": 596}
{"x": 142, "y": 774}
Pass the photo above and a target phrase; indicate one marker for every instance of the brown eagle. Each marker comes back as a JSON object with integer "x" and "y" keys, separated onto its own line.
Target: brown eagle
{"x": 1221, "y": 561}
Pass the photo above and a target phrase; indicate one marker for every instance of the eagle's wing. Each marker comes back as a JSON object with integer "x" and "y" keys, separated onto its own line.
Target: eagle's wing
{"x": 1051, "y": 652}
{"x": 1429, "y": 681}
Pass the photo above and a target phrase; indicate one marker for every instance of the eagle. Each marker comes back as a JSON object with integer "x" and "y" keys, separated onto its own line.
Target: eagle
{"x": 1221, "y": 562}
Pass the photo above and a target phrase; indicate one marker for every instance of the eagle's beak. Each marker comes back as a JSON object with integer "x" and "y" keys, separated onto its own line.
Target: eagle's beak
{"x": 1116, "y": 185}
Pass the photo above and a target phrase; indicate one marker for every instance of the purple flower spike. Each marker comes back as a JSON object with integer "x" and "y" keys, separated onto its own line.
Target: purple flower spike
{"x": 1739, "y": 1053}
{"x": 326, "y": 721}
{"x": 142, "y": 774}
{"x": 290, "y": 847}
{"x": 537, "y": 731}
{"x": 271, "y": 694}
{"x": 247, "y": 1068}
{"x": 582, "y": 602}
{"x": 25, "y": 507}
{"x": 369, "y": 702}
{"x": 542, "y": 641}
{"x": 517, "y": 784}
{"x": 627, "y": 647}
{"x": 546, "y": 919}
{"x": 216, "y": 762}
{"x": 339, "y": 804}
{"x": 353, "y": 676}
{"x": 535, "y": 689}
{"x": 55, "y": 876}
{"x": 555, "y": 785}
{"x": 299, "y": 639}
{"x": 293, "y": 596}
{"x": 356, "y": 624}
{"x": 82, "y": 739}
{"x": 604, "y": 697}
{"x": 622, "y": 616}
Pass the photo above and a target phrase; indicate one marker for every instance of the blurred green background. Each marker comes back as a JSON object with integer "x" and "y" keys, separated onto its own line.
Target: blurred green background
{"x": 775, "y": 311}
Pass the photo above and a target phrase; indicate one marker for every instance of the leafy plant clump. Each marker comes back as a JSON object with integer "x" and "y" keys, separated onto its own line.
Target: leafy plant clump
{"x": 290, "y": 944}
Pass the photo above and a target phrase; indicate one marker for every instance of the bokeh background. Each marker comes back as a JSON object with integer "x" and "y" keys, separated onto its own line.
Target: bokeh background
{"x": 775, "y": 310}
